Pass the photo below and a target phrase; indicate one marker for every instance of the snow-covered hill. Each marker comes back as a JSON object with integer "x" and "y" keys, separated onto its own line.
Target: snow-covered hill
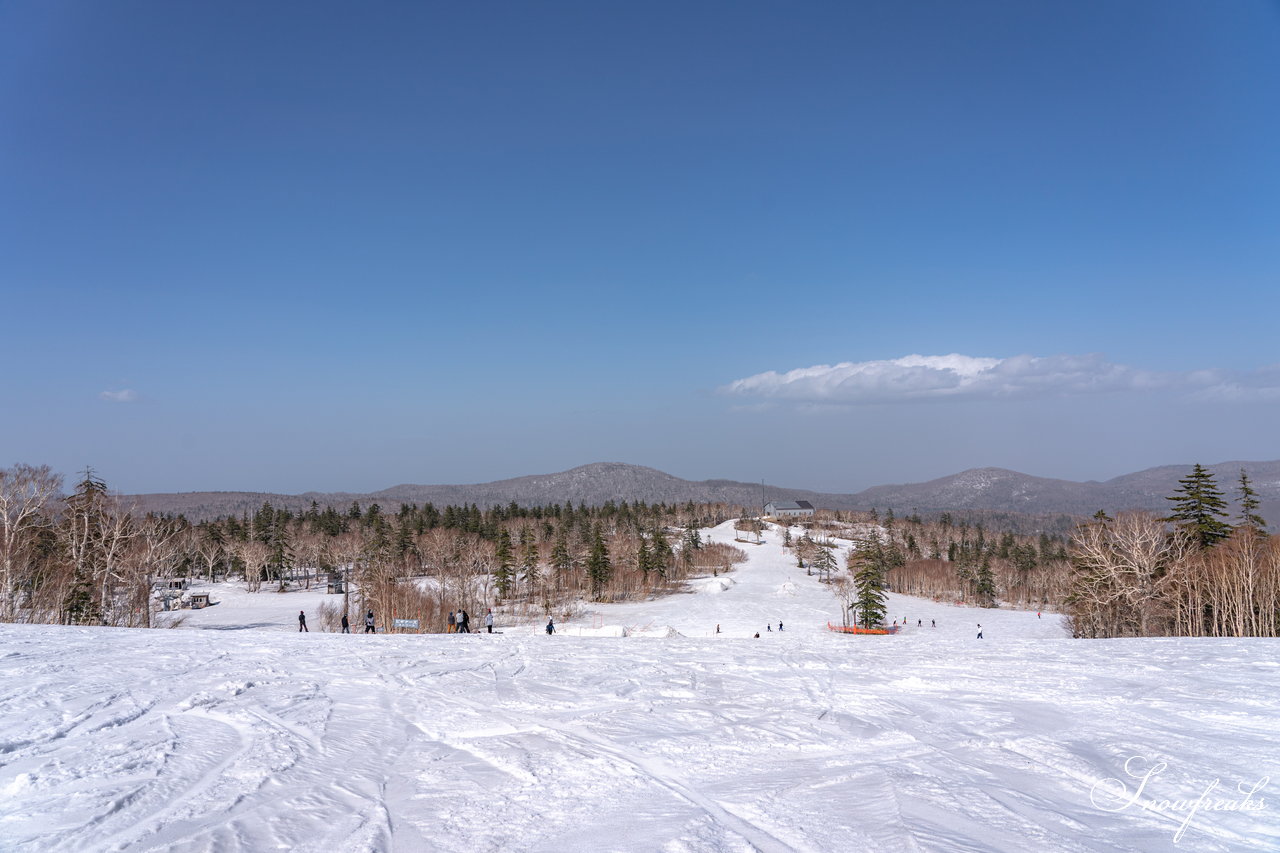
{"x": 671, "y": 739}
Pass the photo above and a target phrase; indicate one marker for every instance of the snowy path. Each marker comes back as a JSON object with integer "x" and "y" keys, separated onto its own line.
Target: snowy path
{"x": 807, "y": 741}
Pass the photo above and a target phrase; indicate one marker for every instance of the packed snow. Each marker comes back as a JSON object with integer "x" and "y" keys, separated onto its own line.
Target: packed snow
{"x": 637, "y": 727}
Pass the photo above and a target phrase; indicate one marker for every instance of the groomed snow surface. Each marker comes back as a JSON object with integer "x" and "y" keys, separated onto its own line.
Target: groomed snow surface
{"x": 671, "y": 738}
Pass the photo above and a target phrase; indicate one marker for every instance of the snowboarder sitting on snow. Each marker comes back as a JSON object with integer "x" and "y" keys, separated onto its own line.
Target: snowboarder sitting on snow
{"x": 302, "y": 621}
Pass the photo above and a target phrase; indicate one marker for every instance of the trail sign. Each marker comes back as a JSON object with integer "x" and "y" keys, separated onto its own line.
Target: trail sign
{"x": 406, "y": 623}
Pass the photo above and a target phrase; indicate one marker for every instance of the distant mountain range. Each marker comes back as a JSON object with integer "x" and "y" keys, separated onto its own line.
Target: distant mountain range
{"x": 979, "y": 489}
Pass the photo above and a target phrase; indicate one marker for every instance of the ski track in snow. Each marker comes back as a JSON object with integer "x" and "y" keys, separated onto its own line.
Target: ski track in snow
{"x": 259, "y": 740}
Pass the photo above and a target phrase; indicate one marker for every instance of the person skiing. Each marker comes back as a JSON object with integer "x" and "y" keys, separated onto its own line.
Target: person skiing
{"x": 919, "y": 623}
{"x": 717, "y": 628}
{"x": 488, "y": 620}
{"x": 302, "y": 621}
{"x": 449, "y": 629}
{"x": 346, "y": 624}
{"x": 779, "y": 626}
{"x": 769, "y": 627}
{"x": 464, "y": 622}
{"x": 368, "y": 623}
{"x": 979, "y": 631}
{"x": 933, "y": 623}
{"x": 551, "y": 626}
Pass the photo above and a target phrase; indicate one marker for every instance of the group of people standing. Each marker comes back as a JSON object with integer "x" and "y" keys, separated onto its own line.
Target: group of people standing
{"x": 459, "y": 622}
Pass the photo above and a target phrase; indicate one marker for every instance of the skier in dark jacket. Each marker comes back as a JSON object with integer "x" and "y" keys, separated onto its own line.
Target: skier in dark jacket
{"x": 464, "y": 622}
{"x": 346, "y": 624}
{"x": 551, "y": 626}
{"x": 302, "y": 621}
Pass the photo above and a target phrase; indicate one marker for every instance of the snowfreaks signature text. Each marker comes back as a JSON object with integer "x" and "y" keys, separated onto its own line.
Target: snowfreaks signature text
{"x": 1113, "y": 795}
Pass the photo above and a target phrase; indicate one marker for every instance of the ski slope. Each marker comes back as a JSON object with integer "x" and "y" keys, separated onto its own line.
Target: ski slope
{"x": 670, "y": 739}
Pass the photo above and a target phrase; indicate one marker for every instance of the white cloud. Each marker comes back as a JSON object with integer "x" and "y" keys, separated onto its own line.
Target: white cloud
{"x": 125, "y": 395}
{"x": 963, "y": 377}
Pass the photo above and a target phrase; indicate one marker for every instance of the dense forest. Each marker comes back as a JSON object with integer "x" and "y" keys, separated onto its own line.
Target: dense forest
{"x": 88, "y": 559}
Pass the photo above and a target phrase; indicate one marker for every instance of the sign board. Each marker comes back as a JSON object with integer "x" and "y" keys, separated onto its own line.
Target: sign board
{"x": 406, "y": 623}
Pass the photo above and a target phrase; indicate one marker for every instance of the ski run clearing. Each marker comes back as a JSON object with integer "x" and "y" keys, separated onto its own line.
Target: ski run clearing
{"x": 672, "y": 738}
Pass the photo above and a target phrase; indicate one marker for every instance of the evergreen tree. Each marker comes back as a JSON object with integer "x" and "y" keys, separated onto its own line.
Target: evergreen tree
{"x": 599, "y": 569}
{"x": 502, "y": 574}
{"x": 984, "y": 585}
{"x": 1198, "y": 507}
{"x": 661, "y": 552}
{"x": 281, "y": 556}
{"x": 644, "y": 559}
{"x": 83, "y": 522}
{"x": 692, "y": 540}
{"x": 528, "y": 556}
{"x": 824, "y": 562}
{"x": 561, "y": 562}
{"x": 1249, "y": 505}
{"x": 871, "y": 601}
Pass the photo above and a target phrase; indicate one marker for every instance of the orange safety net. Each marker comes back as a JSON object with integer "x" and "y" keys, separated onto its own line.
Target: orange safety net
{"x": 850, "y": 629}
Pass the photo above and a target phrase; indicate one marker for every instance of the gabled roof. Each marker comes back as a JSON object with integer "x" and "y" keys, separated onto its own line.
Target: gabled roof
{"x": 791, "y": 505}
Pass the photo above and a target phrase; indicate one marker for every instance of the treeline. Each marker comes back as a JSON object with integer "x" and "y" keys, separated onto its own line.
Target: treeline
{"x": 947, "y": 559}
{"x": 1191, "y": 574}
{"x": 88, "y": 559}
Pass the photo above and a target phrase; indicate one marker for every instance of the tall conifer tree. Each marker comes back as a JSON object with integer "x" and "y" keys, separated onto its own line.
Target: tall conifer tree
{"x": 1198, "y": 507}
{"x": 1249, "y": 505}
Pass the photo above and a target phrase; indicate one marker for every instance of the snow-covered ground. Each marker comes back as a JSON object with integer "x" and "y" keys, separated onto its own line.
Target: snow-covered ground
{"x": 671, "y": 739}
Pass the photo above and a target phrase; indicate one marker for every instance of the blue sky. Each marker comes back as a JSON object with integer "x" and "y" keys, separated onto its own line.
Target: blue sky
{"x": 341, "y": 246}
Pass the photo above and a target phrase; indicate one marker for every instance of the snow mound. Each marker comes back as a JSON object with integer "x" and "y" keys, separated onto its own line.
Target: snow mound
{"x": 787, "y": 588}
{"x": 716, "y": 585}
